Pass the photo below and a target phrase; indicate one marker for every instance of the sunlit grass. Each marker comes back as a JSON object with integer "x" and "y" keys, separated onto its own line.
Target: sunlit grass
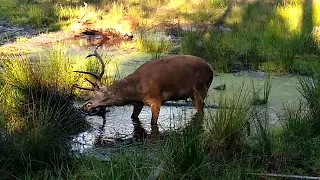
{"x": 37, "y": 113}
{"x": 270, "y": 38}
{"x": 275, "y": 67}
{"x": 22, "y": 39}
{"x": 68, "y": 12}
{"x": 55, "y": 69}
{"x": 235, "y": 17}
{"x": 316, "y": 13}
{"x": 36, "y": 16}
{"x": 116, "y": 10}
{"x": 292, "y": 17}
{"x": 154, "y": 44}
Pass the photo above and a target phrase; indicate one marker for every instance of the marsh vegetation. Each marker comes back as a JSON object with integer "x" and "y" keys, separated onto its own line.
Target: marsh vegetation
{"x": 39, "y": 119}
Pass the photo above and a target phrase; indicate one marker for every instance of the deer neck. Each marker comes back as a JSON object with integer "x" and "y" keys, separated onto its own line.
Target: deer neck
{"x": 124, "y": 92}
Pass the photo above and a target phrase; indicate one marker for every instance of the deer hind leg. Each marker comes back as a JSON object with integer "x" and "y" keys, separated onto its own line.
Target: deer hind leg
{"x": 155, "y": 110}
{"x": 198, "y": 97}
{"x": 137, "y": 107}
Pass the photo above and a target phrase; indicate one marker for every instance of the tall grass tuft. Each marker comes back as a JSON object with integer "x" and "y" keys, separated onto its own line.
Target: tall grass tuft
{"x": 267, "y": 85}
{"x": 310, "y": 90}
{"x": 36, "y": 16}
{"x": 260, "y": 144}
{"x": 227, "y": 126}
{"x": 298, "y": 146}
{"x": 155, "y": 44}
{"x": 300, "y": 135}
{"x": 191, "y": 43}
{"x": 40, "y": 15}
{"x": 185, "y": 154}
{"x": 38, "y": 112}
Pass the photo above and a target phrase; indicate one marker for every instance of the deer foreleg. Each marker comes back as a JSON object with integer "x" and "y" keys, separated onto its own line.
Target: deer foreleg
{"x": 137, "y": 107}
{"x": 138, "y": 132}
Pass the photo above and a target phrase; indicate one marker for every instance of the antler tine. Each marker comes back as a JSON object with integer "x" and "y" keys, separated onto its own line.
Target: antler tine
{"x": 102, "y": 65}
{"x": 88, "y": 89}
{"x": 92, "y": 83}
{"x": 84, "y": 72}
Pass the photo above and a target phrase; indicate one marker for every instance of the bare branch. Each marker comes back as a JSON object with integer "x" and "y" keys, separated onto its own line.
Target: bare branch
{"x": 83, "y": 12}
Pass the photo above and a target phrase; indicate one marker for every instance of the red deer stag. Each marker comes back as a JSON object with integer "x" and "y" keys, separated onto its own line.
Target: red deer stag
{"x": 172, "y": 78}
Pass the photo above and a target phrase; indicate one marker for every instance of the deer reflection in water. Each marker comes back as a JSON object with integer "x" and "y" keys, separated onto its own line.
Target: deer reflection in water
{"x": 139, "y": 133}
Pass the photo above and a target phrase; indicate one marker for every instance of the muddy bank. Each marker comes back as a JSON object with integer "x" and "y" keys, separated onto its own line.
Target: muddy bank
{"x": 10, "y": 32}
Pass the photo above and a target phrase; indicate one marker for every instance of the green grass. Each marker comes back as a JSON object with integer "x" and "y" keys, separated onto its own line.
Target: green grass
{"x": 184, "y": 155}
{"x": 310, "y": 90}
{"x": 222, "y": 145}
{"x": 43, "y": 15}
{"x": 154, "y": 44}
{"x": 37, "y": 118}
{"x": 299, "y": 142}
{"x": 37, "y": 114}
{"x": 306, "y": 65}
{"x": 36, "y": 16}
{"x": 19, "y": 12}
{"x": 269, "y": 37}
{"x": 267, "y": 85}
{"x": 125, "y": 164}
{"x": 7, "y": 9}
{"x": 228, "y": 125}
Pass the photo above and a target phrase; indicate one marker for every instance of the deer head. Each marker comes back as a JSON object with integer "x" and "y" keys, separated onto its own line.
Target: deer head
{"x": 100, "y": 92}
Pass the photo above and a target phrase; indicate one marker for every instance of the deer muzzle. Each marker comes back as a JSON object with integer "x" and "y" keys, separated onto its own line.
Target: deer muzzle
{"x": 89, "y": 109}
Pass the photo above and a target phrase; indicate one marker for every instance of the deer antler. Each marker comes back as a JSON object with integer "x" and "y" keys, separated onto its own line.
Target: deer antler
{"x": 88, "y": 89}
{"x": 84, "y": 72}
{"x": 97, "y": 83}
{"x": 98, "y": 78}
{"x": 92, "y": 83}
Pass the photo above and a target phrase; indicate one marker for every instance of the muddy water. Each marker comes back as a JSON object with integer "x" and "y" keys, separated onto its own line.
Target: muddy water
{"x": 120, "y": 126}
